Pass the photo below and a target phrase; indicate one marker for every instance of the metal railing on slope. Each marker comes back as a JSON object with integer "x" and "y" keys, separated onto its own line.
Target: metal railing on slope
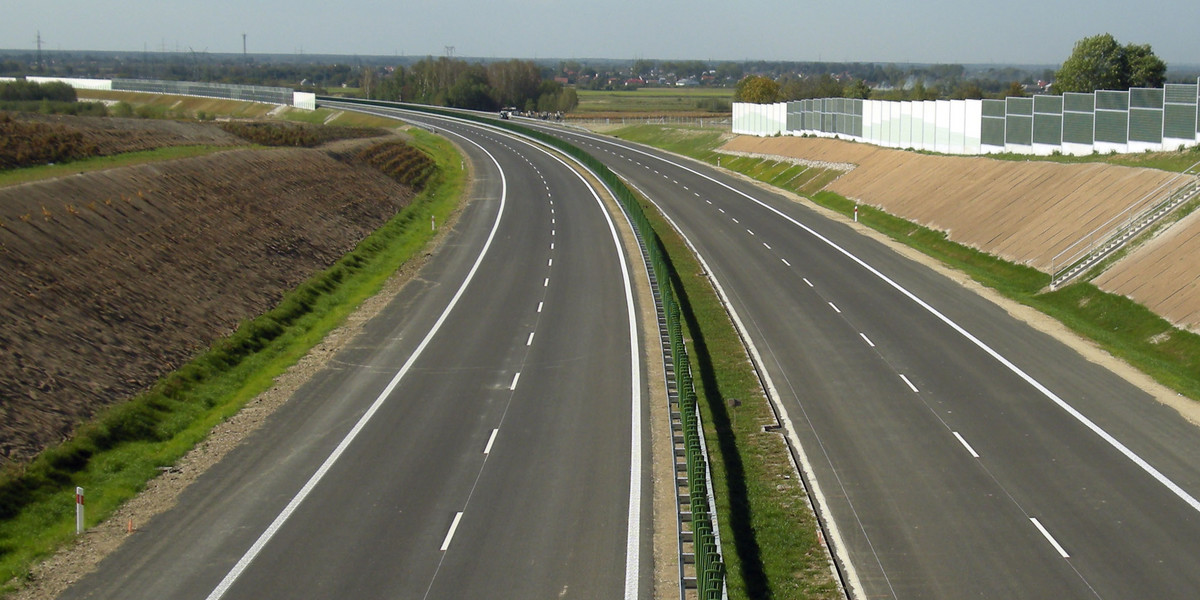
{"x": 1113, "y": 234}
{"x": 709, "y": 578}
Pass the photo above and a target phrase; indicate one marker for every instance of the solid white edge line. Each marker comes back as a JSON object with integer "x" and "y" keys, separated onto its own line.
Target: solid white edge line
{"x": 837, "y": 542}
{"x": 1050, "y": 538}
{"x": 910, "y": 384}
{"x": 963, "y": 441}
{"x": 291, "y": 507}
{"x": 453, "y": 528}
{"x": 633, "y": 531}
{"x": 867, "y": 340}
{"x": 491, "y": 440}
{"x": 516, "y": 378}
{"x": 1071, "y": 410}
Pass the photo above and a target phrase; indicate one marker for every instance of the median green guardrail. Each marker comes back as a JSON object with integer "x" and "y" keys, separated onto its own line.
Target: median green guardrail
{"x": 710, "y": 569}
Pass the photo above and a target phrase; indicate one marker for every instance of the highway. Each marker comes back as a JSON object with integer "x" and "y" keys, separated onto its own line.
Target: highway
{"x": 954, "y": 450}
{"x": 482, "y": 438}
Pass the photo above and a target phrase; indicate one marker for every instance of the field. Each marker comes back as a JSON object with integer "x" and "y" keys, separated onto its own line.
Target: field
{"x": 670, "y": 101}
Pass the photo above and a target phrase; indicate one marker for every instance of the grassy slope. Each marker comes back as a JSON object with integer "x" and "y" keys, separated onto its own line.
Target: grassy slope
{"x": 114, "y": 456}
{"x": 99, "y": 163}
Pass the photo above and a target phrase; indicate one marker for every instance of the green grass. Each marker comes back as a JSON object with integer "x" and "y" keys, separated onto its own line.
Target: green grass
{"x": 1122, "y": 327}
{"x": 114, "y": 456}
{"x": 339, "y": 118}
{"x": 100, "y": 163}
{"x": 1175, "y": 161}
{"x": 769, "y": 535}
{"x": 652, "y": 100}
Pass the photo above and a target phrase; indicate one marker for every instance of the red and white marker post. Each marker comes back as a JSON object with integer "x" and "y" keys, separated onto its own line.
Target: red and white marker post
{"x": 78, "y": 510}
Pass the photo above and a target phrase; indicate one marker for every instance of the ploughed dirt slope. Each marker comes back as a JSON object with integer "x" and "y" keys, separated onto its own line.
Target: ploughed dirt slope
{"x": 110, "y": 279}
{"x": 1026, "y": 212}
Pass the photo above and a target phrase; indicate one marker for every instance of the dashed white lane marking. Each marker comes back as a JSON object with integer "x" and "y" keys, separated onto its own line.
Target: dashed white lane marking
{"x": 550, "y": 262}
{"x": 766, "y": 245}
{"x": 540, "y": 306}
{"x": 708, "y": 201}
{"x": 735, "y": 220}
{"x": 551, "y": 245}
{"x": 491, "y": 440}
{"x": 516, "y": 378}
{"x": 546, "y": 283}
{"x": 910, "y": 384}
{"x": 835, "y": 308}
{"x": 786, "y": 262}
{"x": 966, "y": 445}
{"x": 1050, "y": 538}
{"x": 807, "y": 281}
{"x": 698, "y": 195}
{"x": 529, "y": 342}
{"x": 453, "y": 528}
{"x": 750, "y": 232}
{"x": 721, "y": 210}
{"x": 867, "y": 340}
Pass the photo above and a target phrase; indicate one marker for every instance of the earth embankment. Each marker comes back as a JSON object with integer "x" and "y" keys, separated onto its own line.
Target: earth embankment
{"x": 1028, "y": 212}
{"x": 1025, "y": 212}
{"x": 109, "y": 280}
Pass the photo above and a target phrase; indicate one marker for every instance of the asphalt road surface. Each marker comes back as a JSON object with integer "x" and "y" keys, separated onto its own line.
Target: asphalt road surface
{"x": 481, "y": 439}
{"x": 956, "y": 451}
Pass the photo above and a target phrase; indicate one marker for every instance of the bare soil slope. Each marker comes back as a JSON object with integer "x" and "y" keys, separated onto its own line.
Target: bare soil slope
{"x": 1025, "y": 212}
{"x": 114, "y": 136}
{"x": 111, "y": 279}
{"x": 1163, "y": 274}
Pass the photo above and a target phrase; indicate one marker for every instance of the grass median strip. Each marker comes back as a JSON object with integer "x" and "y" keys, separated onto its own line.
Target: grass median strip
{"x": 769, "y": 534}
{"x": 115, "y": 455}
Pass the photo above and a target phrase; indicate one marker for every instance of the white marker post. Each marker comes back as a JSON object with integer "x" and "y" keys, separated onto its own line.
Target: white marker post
{"x": 78, "y": 510}
{"x": 432, "y": 223}
{"x": 855, "y": 213}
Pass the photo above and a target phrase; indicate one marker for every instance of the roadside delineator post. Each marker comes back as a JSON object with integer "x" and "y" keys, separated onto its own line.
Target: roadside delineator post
{"x": 855, "y": 213}
{"x": 78, "y": 510}
{"x": 432, "y": 223}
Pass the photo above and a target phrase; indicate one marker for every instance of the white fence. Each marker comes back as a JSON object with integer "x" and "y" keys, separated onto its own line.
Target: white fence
{"x": 1134, "y": 120}
{"x": 269, "y": 95}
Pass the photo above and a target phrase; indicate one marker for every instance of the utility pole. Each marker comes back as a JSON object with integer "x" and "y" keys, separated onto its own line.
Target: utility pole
{"x": 41, "y": 66}
{"x": 244, "y": 56}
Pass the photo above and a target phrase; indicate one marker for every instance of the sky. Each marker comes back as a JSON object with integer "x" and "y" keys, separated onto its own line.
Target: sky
{"x": 924, "y": 31}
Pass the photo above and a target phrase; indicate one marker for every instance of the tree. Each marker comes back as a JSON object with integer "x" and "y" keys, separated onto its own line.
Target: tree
{"x": 757, "y": 89}
{"x": 858, "y": 89}
{"x": 1100, "y": 63}
{"x": 1015, "y": 89}
{"x": 1145, "y": 69}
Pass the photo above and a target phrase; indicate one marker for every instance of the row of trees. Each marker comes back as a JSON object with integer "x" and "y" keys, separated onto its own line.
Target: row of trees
{"x": 448, "y": 82}
{"x": 1100, "y": 63}
{"x": 1096, "y": 63}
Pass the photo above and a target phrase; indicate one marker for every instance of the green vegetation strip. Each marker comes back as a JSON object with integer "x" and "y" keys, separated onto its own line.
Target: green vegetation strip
{"x": 115, "y": 455}
{"x": 772, "y": 548}
{"x": 1122, "y": 327}
{"x": 100, "y": 163}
